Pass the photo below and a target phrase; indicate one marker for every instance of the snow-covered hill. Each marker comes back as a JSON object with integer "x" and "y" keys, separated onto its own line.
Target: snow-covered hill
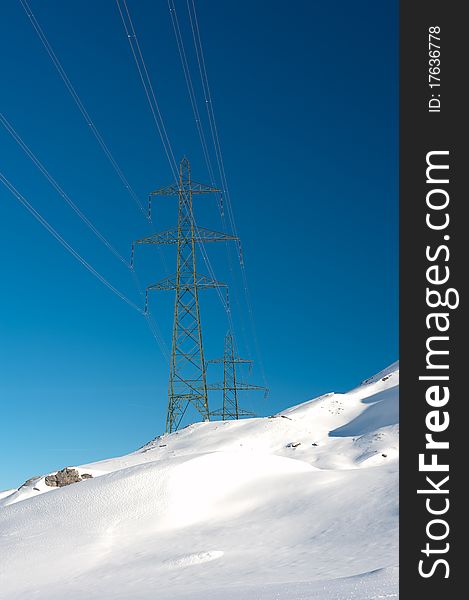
{"x": 298, "y": 506}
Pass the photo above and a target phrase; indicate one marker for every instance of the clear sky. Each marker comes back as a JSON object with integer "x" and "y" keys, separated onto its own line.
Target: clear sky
{"x": 306, "y": 100}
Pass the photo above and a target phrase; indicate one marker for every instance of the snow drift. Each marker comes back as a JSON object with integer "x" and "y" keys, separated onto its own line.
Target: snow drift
{"x": 300, "y": 505}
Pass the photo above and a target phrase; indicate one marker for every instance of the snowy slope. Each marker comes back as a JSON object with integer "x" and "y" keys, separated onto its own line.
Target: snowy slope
{"x": 298, "y": 506}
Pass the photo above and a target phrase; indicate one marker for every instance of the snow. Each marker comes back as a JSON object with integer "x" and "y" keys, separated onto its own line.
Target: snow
{"x": 301, "y": 505}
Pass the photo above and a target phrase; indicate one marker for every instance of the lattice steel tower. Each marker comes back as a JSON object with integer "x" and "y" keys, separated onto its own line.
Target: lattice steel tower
{"x": 231, "y": 386}
{"x": 187, "y": 378}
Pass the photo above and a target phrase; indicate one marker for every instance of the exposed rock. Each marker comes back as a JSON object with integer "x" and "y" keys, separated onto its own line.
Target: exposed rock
{"x": 65, "y": 477}
{"x": 293, "y": 445}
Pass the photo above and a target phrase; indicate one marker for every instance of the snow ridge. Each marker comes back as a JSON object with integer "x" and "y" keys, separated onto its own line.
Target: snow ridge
{"x": 299, "y": 505}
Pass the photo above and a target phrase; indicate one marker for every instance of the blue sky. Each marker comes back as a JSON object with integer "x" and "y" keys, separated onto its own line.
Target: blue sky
{"x": 306, "y": 100}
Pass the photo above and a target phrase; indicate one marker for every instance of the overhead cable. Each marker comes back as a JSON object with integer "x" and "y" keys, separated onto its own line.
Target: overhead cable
{"x": 79, "y": 103}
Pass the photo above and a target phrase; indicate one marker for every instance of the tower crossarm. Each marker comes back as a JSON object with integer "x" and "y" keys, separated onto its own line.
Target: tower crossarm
{"x": 202, "y": 235}
{"x": 239, "y": 386}
{"x": 187, "y": 186}
{"x": 234, "y": 360}
{"x": 223, "y": 413}
{"x": 171, "y": 283}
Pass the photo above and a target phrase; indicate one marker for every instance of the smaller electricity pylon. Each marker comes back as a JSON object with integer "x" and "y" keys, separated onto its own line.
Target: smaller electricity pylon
{"x": 231, "y": 386}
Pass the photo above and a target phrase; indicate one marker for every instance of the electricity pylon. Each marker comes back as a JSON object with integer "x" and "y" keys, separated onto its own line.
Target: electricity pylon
{"x": 187, "y": 377}
{"x": 231, "y": 386}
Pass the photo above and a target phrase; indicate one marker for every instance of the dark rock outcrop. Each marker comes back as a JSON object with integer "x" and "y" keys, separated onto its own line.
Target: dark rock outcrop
{"x": 66, "y": 476}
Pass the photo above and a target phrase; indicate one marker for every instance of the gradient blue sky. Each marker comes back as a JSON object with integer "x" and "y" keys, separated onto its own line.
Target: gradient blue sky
{"x": 306, "y": 98}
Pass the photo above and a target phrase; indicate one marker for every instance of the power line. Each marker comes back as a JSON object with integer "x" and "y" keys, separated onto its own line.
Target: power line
{"x": 64, "y": 243}
{"x": 56, "y": 62}
{"x": 158, "y": 118}
{"x": 79, "y": 103}
{"x": 200, "y": 129}
{"x": 206, "y": 153}
{"x": 147, "y": 85}
{"x": 144, "y": 312}
{"x": 9, "y": 127}
{"x": 190, "y": 87}
{"x": 148, "y": 316}
{"x": 151, "y": 97}
{"x": 152, "y": 324}
{"x": 209, "y": 107}
{"x": 221, "y": 167}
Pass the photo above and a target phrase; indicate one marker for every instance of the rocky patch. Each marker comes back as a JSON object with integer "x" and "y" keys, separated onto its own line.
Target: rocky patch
{"x": 65, "y": 477}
